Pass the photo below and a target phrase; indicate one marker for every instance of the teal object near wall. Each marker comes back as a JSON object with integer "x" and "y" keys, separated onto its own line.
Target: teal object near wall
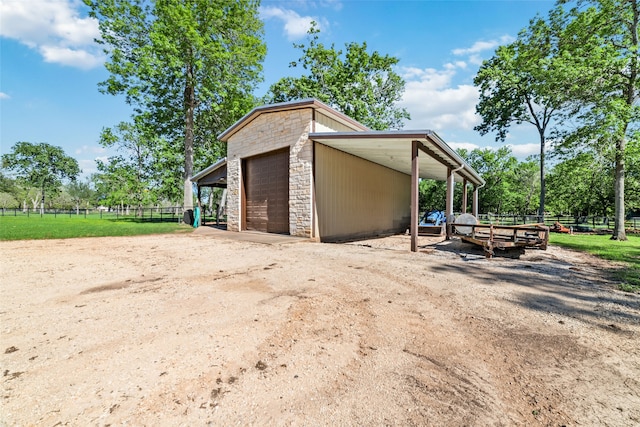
{"x": 196, "y": 217}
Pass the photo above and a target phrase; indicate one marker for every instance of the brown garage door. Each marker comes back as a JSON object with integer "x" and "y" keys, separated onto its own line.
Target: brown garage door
{"x": 266, "y": 192}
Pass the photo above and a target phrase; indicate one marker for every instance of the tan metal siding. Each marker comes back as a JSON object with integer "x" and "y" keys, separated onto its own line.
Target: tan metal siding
{"x": 327, "y": 124}
{"x": 357, "y": 198}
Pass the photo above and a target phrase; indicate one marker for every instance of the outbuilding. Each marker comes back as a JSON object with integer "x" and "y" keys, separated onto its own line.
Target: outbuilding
{"x": 303, "y": 168}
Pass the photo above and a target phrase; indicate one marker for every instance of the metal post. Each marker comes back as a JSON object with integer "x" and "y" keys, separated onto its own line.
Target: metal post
{"x": 415, "y": 173}
{"x": 464, "y": 196}
{"x": 449, "y": 204}
{"x": 474, "y": 204}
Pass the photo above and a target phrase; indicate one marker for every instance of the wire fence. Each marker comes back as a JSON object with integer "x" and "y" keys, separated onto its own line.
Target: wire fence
{"x": 176, "y": 214}
{"x": 578, "y": 223}
{"x": 154, "y": 214}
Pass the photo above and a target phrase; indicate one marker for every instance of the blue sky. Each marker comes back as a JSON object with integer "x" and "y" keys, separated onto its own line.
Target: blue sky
{"x": 50, "y": 66}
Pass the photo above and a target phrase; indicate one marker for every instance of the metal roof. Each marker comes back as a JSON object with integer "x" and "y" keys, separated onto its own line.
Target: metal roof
{"x": 291, "y": 105}
{"x": 388, "y": 148}
{"x": 215, "y": 175}
{"x": 393, "y": 150}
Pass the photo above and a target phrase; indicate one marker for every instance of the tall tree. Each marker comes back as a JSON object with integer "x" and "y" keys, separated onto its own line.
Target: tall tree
{"x": 519, "y": 85}
{"x": 187, "y": 66}
{"x": 601, "y": 48}
{"x": 360, "y": 84}
{"x": 41, "y": 165}
{"x": 133, "y": 166}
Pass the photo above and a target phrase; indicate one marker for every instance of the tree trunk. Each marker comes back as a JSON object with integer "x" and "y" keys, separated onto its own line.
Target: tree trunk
{"x": 189, "y": 103}
{"x": 619, "y": 232}
{"x": 542, "y": 180}
{"x": 42, "y": 202}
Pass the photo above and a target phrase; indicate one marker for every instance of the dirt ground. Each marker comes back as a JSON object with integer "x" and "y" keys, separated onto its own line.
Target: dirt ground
{"x": 201, "y": 329}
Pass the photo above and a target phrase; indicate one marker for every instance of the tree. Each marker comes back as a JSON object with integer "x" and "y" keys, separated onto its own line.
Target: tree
{"x": 80, "y": 193}
{"x": 498, "y": 168}
{"x": 601, "y": 49}
{"x": 133, "y": 168}
{"x": 187, "y": 66}
{"x": 582, "y": 185}
{"x": 432, "y": 195}
{"x": 519, "y": 85}
{"x": 41, "y": 165}
{"x": 359, "y": 84}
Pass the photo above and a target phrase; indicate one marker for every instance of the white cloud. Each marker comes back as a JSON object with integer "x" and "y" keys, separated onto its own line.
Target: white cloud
{"x": 87, "y": 166}
{"x": 67, "y": 56}
{"x": 524, "y": 150}
{"x": 434, "y": 103}
{"x": 333, "y": 4}
{"x": 295, "y": 26}
{"x": 4, "y": 96}
{"x": 54, "y": 28}
{"x": 93, "y": 149}
{"x": 482, "y": 46}
{"x": 464, "y": 145}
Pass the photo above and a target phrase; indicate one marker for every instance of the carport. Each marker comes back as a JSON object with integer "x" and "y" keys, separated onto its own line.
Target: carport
{"x": 214, "y": 176}
{"x": 400, "y": 151}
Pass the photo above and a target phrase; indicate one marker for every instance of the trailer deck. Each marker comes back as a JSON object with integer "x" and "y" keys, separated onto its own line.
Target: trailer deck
{"x": 503, "y": 237}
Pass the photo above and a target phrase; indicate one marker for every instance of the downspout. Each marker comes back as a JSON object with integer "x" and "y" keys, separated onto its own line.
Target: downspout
{"x": 454, "y": 186}
{"x": 476, "y": 202}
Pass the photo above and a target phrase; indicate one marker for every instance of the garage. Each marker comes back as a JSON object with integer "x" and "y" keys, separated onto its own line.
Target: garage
{"x": 305, "y": 169}
{"x": 266, "y": 192}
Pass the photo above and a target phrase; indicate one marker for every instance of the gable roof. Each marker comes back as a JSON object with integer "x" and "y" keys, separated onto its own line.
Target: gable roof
{"x": 214, "y": 175}
{"x": 291, "y": 105}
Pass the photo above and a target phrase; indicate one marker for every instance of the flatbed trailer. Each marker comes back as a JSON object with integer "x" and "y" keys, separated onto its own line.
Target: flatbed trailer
{"x": 504, "y": 237}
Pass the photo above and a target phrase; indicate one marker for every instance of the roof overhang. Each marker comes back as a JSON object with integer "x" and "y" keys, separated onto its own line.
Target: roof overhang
{"x": 291, "y": 105}
{"x": 393, "y": 150}
{"x": 213, "y": 176}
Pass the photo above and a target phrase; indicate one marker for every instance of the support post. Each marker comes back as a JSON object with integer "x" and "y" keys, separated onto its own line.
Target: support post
{"x": 415, "y": 173}
{"x": 474, "y": 206}
{"x": 464, "y": 196}
{"x": 449, "y": 204}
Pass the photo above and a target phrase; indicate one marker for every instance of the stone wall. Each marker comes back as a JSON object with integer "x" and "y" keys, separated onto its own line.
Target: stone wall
{"x": 268, "y": 132}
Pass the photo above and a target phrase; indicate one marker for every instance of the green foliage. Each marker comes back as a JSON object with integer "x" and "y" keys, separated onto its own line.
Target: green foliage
{"x": 362, "y": 85}
{"x": 7, "y": 200}
{"x": 127, "y": 178}
{"x": 520, "y": 85}
{"x": 432, "y": 195}
{"x": 187, "y": 67}
{"x": 601, "y": 57}
{"x": 81, "y": 193}
{"x": 582, "y": 186}
{"x": 42, "y": 165}
{"x": 62, "y": 227}
{"x": 625, "y": 252}
{"x": 511, "y": 186}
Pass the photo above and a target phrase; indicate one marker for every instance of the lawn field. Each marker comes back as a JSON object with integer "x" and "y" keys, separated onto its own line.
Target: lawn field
{"x": 626, "y": 252}
{"x": 51, "y": 226}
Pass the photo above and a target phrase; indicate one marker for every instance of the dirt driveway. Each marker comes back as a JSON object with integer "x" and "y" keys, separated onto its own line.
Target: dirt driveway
{"x": 203, "y": 330}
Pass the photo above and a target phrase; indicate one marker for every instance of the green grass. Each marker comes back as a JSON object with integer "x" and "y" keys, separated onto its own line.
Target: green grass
{"x": 24, "y": 227}
{"x": 626, "y": 252}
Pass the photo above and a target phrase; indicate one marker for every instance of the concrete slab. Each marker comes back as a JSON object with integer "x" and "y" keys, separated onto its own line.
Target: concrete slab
{"x": 250, "y": 236}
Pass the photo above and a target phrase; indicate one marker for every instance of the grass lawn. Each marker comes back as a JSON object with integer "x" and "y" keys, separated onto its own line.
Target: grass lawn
{"x": 24, "y": 227}
{"x": 627, "y": 252}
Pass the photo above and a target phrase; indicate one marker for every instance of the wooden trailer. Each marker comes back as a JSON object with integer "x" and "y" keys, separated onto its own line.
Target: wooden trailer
{"x": 514, "y": 238}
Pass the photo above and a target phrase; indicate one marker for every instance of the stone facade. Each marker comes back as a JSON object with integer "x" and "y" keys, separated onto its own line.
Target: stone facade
{"x": 268, "y": 132}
